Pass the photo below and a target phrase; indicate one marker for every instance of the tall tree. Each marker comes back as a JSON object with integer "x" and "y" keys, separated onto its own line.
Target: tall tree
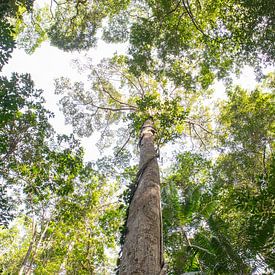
{"x": 63, "y": 214}
{"x": 155, "y": 116}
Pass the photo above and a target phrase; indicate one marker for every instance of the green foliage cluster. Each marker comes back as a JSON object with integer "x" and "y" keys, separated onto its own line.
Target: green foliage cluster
{"x": 7, "y": 42}
{"x": 191, "y": 42}
{"x": 197, "y": 41}
{"x": 24, "y": 126}
{"x": 75, "y": 24}
{"x": 168, "y": 116}
{"x": 218, "y": 215}
{"x": 116, "y": 95}
{"x": 62, "y": 213}
{"x": 10, "y": 11}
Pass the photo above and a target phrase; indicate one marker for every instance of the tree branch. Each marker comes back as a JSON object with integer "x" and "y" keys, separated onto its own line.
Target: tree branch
{"x": 110, "y": 95}
{"x": 124, "y": 75}
{"x": 123, "y": 146}
{"x": 108, "y": 108}
{"x": 194, "y": 128}
{"x": 190, "y": 14}
{"x": 143, "y": 92}
{"x": 198, "y": 124}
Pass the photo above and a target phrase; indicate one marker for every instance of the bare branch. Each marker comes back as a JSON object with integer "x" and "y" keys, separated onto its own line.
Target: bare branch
{"x": 198, "y": 124}
{"x": 107, "y": 108}
{"x": 110, "y": 95}
{"x": 106, "y": 126}
{"x": 200, "y": 138}
{"x": 124, "y": 75}
{"x": 123, "y": 146}
{"x": 190, "y": 130}
{"x": 143, "y": 92}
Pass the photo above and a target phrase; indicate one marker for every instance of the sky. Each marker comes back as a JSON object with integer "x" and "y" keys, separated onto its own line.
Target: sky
{"x": 48, "y": 63}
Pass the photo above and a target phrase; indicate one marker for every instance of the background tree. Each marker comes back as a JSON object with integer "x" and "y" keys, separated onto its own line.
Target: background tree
{"x": 49, "y": 190}
{"x": 73, "y": 235}
{"x": 192, "y": 42}
{"x": 217, "y": 215}
{"x": 154, "y": 116}
{"x": 198, "y": 41}
{"x": 23, "y": 128}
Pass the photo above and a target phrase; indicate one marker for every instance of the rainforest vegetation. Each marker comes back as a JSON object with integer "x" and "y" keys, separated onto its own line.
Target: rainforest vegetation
{"x": 185, "y": 179}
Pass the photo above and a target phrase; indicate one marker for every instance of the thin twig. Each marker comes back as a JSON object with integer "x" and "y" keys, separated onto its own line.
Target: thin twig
{"x": 124, "y": 75}
{"x": 107, "y": 108}
{"x": 193, "y": 126}
{"x": 190, "y": 130}
{"x": 51, "y": 5}
{"x": 141, "y": 87}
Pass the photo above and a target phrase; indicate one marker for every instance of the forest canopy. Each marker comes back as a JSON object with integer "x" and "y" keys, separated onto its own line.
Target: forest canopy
{"x": 156, "y": 103}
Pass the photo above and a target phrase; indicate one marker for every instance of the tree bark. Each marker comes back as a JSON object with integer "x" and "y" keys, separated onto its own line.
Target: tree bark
{"x": 142, "y": 250}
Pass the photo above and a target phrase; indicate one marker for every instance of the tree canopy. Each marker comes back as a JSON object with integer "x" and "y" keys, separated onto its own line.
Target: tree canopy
{"x": 192, "y": 42}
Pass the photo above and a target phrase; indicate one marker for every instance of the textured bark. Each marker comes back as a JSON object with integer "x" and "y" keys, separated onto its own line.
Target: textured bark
{"x": 142, "y": 250}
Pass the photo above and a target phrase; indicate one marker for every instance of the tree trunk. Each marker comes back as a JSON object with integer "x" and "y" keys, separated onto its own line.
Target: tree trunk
{"x": 142, "y": 250}
{"x": 37, "y": 245}
{"x": 27, "y": 256}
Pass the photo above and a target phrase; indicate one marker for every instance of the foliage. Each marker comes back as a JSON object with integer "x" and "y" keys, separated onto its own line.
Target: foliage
{"x": 83, "y": 227}
{"x": 10, "y": 12}
{"x": 218, "y": 211}
{"x": 31, "y": 154}
{"x": 185, "y": 201}
{"x": 31, "y": 31}
{"x": 200, "y": 40}
{"x": 191, "y": 42}
{"x": 35, "y": 162}
{"x": 75, "y": 24}
{"x": 23, "y": 127}
{"x": 116, "y": 96}
{"x": 73, "y": 237}
{"x": 218, "y": 216}
{"x": 9, "y": 237}
{"x": 7, "y": 43}
{"x": 62, "y": 209}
